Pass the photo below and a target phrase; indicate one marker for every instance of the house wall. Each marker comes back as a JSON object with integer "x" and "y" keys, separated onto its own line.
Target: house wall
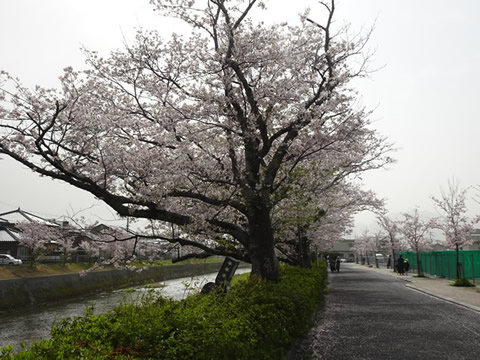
{"x": 344, "y": 249}
{"x": 36, "y": 290}
{"x": 8, "y": 248}
{"x": 474, "y": 241}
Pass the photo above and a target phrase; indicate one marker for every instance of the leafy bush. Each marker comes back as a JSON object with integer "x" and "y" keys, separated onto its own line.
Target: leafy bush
{"x": 254, "y": 320}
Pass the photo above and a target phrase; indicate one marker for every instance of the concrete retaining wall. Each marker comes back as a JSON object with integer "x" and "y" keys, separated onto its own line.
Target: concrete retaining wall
{"x": 37, "y": 290}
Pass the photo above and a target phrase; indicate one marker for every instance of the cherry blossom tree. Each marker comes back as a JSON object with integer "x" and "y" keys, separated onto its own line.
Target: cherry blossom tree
{"x": 365, "y": 245}
{"x": 110, "y": 246}
{"x": 416, "y": 233}
{"x": 359, "y": 249}
{"x": 91, "y": 248}
{"x": 204, "y": 131}
{"x": 318, "y": 211}
{"x": 37, "y": 237}
{"x": 453, "y": 220}
{"x": 42, "y": 239}
{"x": 66, "y": 244}
{"x": 340, "y": 210}
{"x": 392, "y": 232}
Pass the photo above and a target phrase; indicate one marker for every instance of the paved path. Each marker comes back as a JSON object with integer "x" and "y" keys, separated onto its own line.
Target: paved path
{"x": 438, "y": 287}
{"x": 370, "y": 314}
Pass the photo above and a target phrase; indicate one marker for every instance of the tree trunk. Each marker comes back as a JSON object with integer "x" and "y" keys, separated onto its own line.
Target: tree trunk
{"x": 457, "y": 264}
{"x": 303, "y": 248}
{"x": 419, "y": 268}
{"x": 418, "y": 263}
{"x": 261, "y": 247}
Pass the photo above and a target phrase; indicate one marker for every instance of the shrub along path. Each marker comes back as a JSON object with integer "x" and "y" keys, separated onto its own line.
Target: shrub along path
{"x": 254, "y": 320}
{"x": 370, "y": 315}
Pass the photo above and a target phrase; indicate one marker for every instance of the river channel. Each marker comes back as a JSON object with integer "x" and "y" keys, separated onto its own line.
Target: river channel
{"x": 34, "y": 323}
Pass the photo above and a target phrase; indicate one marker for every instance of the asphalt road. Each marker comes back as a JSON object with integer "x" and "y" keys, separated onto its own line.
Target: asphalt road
{"x": 374, "y": 316}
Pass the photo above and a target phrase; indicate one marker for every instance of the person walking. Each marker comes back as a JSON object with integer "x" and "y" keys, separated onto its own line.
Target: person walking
{"x": 406, "y": 266}
{"x": 331, "y": 261}
{"x": 389, "y": 261}
{"x": 337, "y": 264}
{"x": 400, "y": 265}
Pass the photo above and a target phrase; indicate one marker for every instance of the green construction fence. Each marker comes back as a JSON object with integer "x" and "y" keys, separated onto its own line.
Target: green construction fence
{"x": 442, "y": 263}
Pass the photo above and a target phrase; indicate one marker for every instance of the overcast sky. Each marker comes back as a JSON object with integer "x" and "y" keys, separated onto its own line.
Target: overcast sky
{"x": 426, "y": 92}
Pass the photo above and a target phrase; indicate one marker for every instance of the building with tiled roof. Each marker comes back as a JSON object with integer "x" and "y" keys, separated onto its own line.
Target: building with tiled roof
{"x": 10, "y": 235}
{"x": 8, "y": 238}
{"x": 19, "y": 215}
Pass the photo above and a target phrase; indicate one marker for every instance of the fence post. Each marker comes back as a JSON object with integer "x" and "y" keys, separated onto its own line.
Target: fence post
{"x": 431, "y": 267}
{"x": 473, "y": 271}
{"x": 441, "y": 264}
{"x": 424, "y": 261}
{"x": 448, "y": 268}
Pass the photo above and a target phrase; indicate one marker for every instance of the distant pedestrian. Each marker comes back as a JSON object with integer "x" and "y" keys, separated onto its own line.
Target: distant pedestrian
{"x": 400, "y": 265}
{"x": 389, "y": 261}
{"x": 406, "y": 266}
{"x": 331, "y": 261}
{"x": 337, "y": 264}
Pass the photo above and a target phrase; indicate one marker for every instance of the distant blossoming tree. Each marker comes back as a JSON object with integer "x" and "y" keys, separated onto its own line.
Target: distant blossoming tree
{"x": 416, "y": 233}
{"x": 110, "y": 245}
{"x": 365, "y": 245}
{"x": 90, "y": 248}
{"x": 453, "y": 220}
{"x": 37, "y": 237}
{"x": 392, "y": 232}
{"x": 204, "y": 131}
{"x": 66, "y": 244}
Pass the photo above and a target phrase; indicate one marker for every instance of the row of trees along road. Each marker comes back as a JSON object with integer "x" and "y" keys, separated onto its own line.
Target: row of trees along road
{"x": 243, "y": 134}
{"x": 414, "y": 233}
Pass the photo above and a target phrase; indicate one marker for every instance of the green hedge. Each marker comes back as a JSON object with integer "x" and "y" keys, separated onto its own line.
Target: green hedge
{"x": 255, "y": 320}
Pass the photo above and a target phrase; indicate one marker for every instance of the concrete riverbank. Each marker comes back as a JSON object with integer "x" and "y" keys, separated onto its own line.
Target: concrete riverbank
{"x": 38, "y": 290}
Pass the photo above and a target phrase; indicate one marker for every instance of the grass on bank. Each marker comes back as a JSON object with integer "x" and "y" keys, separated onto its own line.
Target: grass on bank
{"x": 242, "y": 277}
{"x": 254, "y": 320}
{"x": 25, "y": 270}
{"x": 462, "y": 282}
